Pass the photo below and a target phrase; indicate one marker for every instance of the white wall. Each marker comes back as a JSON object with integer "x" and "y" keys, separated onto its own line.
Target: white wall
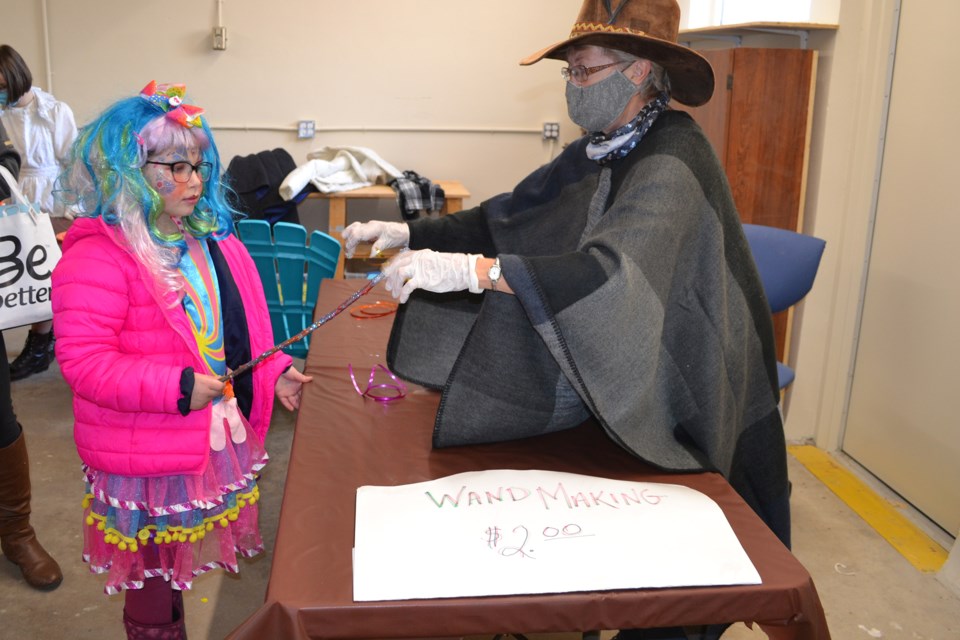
{"x": 380, "y": 64}
{"x": 711, "y": 13}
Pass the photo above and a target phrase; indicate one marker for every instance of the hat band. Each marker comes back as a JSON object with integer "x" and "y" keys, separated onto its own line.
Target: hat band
{"x": 582, "y": 28}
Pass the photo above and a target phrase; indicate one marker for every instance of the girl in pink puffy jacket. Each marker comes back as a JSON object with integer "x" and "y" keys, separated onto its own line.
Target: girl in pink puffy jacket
{"x": 154, "y": 300}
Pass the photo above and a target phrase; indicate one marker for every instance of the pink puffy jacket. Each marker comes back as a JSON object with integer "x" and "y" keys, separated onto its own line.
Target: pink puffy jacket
{"x": 122, "y": 350}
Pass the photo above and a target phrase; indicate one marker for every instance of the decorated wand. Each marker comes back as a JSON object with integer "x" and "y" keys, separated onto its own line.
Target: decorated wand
{"x": 303, "y": 334}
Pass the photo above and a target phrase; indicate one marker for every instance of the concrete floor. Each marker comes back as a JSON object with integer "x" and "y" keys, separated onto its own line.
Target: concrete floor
{"x": 868, "y": 589}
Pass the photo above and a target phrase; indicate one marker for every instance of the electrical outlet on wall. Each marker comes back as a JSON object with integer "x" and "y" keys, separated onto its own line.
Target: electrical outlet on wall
{"x": 551, "y": 130}
{"x": 306, "y": 129}
{"x": 219, "y": 38}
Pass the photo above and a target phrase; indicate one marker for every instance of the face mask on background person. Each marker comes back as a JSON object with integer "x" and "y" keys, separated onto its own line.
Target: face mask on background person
{"x": 4, "y": 97}
{"x": 598, "y": 106}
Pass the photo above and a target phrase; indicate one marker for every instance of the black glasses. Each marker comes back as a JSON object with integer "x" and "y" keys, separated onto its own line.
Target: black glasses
{"x": 183, "y": 170}
{"x": 580, "y": 73}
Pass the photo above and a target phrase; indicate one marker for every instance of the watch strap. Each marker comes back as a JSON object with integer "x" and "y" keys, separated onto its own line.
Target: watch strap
{"x": 494, "y": 273}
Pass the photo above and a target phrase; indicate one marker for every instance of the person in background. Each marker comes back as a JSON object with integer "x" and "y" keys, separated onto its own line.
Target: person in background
{"x": 42, "y": 129}
{"x": 18, "y": 541}
{"x": 617, "y": 282}
{"x": 154, "y": 301}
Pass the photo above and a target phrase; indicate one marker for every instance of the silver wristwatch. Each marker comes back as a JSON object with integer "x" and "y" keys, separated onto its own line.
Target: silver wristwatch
{"x": 494, "y": 273}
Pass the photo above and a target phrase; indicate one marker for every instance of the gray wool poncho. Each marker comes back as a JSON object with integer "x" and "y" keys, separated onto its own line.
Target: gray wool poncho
{"x": 637, "y": 302}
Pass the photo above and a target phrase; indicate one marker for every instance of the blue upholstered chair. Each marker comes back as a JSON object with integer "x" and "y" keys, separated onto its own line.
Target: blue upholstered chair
{"x": 291, "y": 271}
{"x": 788, "y": 263}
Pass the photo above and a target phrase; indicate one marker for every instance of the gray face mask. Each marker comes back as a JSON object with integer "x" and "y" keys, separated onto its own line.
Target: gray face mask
{"x": 598, "y": 106}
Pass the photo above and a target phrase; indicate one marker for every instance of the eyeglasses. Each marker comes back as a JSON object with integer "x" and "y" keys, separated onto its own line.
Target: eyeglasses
{"x": 580, "y": 73}
{"x": 183, "y": 170}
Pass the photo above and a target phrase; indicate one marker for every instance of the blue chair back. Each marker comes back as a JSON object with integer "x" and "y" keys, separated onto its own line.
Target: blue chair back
{"x": 788, "y": 262}
{"x": 291, "y": 271}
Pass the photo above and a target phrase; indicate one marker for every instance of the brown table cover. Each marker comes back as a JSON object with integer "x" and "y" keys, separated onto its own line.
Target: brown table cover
{"x": 343, "y": 441}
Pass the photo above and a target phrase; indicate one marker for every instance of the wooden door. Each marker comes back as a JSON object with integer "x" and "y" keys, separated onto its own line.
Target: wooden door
{"x": 713, "y": 117}
{"x": 768, "y": 134}
{"x": 759, "y": 124}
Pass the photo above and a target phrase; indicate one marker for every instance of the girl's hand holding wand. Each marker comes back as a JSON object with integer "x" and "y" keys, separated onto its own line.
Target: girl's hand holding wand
{"x": 205, "y": 390}
{"x": 290, "y": 388}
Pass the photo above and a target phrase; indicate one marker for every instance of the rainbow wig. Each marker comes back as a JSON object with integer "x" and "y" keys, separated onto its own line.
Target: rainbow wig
{"x": 104, "y": 179}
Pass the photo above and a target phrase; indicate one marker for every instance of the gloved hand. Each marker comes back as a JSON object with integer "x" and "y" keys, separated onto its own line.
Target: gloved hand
{"x": 433, "y": 271}
{"x": 387, "y": 235}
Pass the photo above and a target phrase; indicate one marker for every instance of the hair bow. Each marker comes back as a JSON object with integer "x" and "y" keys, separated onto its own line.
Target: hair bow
{"x": 169, "y": 97}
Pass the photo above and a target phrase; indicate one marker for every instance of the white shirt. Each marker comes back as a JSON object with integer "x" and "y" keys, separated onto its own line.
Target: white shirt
{"x": 335, "y": 169}
{"x": 42, "y": 132}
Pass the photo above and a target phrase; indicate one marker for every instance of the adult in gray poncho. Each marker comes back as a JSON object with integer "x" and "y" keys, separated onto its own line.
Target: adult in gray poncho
{"x": 616, "y": 281}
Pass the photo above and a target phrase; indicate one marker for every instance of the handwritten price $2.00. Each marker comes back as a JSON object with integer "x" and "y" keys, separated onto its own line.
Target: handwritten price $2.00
{"x": 518, "y": 546}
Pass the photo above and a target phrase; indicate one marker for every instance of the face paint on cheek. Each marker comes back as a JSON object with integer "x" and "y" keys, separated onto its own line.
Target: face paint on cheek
{"x": 164, "y": 188}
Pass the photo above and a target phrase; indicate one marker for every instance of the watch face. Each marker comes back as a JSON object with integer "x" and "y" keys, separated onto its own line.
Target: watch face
{"x": 494, "y": 273}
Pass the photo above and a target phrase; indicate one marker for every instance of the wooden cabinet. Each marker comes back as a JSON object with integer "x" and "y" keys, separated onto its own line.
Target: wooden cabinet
{"x": 759, "y": 123}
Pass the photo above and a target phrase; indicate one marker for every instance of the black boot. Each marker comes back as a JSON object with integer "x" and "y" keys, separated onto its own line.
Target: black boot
{"x": 36, "y": 356}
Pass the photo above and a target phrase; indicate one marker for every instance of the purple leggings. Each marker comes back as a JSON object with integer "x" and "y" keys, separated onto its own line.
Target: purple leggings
{"x": 153, "y": 604}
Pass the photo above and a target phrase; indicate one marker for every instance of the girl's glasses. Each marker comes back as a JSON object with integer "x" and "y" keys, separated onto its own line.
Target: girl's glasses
{"x": 183, "y": 170}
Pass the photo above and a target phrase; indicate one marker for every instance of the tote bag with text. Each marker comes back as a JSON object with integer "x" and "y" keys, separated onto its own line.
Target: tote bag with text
{"x": 28, "y": 254}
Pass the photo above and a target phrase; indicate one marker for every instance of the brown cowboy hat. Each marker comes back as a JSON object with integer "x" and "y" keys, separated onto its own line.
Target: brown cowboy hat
{"x": 644, "y": 28}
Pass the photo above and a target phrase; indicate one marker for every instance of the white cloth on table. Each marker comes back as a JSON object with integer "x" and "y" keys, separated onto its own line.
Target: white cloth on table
{"x": 334, "y": 169}
{"x": 42, "y": 132}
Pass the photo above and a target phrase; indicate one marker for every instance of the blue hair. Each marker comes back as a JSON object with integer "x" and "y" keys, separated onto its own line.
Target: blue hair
{"x": 113, "y": 151}
{"x": 104, "y": 179}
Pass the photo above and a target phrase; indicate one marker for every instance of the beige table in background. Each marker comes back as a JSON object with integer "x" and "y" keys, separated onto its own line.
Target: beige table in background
{"x": 453, "y": 190}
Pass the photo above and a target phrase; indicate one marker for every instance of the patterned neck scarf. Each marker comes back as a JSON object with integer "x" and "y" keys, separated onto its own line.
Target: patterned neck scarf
{"x": 606, "y": 147}
{"x": 202, "y": 303}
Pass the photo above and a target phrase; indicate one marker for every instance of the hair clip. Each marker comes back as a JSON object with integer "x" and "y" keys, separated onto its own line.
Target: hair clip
{"x": 169, "y": 98}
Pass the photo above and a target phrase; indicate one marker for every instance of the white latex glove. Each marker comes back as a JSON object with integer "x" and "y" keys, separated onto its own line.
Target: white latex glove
{"x": 387, "y": 235}
{"x": 433, "y": 271}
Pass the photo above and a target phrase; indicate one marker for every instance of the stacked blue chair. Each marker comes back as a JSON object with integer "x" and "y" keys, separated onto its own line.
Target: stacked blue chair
{"x": 291, "y": 271}
{"x": 788, "y": 264}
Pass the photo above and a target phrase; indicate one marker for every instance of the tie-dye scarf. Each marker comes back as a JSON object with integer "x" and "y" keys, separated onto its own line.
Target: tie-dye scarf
{"x": 202, "y": 304}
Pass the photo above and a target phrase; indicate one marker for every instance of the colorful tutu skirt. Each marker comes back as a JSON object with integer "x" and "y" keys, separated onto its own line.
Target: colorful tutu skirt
{"x": 179, "y": 526}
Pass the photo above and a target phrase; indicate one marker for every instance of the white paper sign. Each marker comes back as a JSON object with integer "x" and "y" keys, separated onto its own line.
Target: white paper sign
{"x": 505, "y": 532}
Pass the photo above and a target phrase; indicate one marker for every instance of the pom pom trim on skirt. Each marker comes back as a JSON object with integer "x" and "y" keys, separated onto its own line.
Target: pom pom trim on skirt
{"x": 176, "y": 527}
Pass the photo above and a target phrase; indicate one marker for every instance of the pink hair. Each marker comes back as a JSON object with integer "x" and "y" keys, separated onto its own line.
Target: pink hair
{"x": 164, "y": 133}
